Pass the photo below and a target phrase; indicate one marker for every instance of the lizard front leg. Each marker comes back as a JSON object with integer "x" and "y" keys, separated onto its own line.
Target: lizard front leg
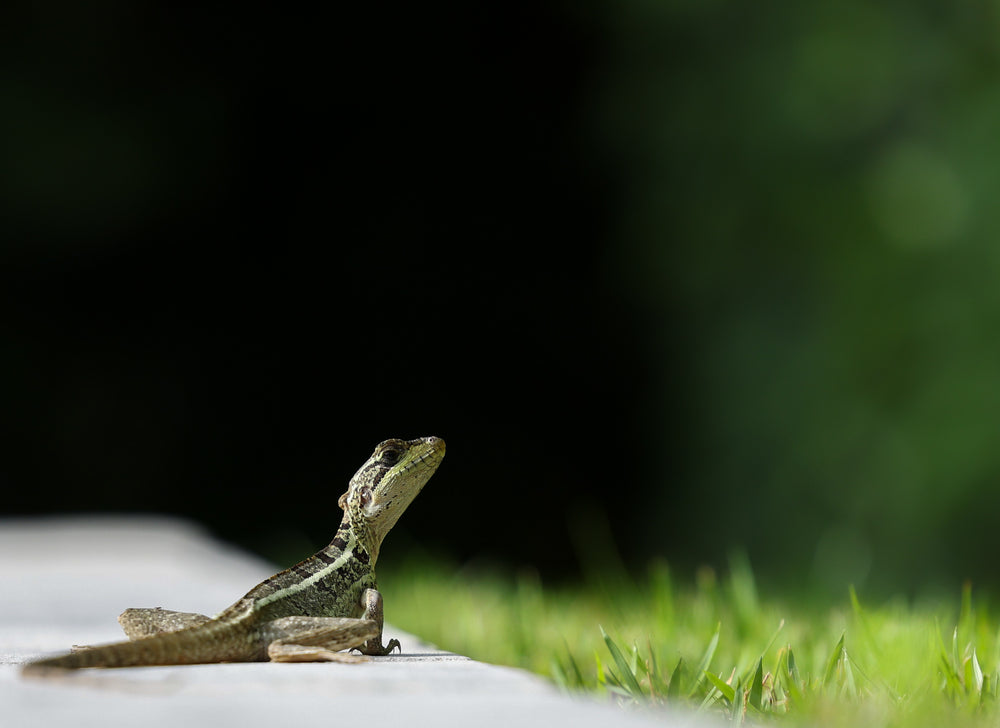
{"x": 371, "y": 600}
{"x": 316, "y": 639}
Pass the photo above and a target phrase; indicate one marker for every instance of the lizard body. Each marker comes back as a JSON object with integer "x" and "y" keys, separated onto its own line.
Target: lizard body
{"x": 311, "y": 611}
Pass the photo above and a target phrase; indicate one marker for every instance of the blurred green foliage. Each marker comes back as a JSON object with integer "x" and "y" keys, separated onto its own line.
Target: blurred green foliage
{"x": 718, "y": 645}
{"x": 808, "y": 209}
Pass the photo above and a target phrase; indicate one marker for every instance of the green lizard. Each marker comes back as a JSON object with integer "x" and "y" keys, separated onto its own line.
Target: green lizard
{"x": 310, "y": 612}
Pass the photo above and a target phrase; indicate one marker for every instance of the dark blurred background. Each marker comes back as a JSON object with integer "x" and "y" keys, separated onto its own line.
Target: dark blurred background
{"x": 675, "y": 277}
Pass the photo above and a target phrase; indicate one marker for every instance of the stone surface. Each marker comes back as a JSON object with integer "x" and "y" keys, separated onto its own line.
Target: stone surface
{"x": 64, "y": 581}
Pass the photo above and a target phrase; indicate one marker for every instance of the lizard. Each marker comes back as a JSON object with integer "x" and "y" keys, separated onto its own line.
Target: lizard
{"x": 308, "y": 612}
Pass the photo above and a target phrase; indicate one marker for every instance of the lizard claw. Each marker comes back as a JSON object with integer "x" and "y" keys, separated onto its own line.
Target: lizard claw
{"x": 377, "y": 649}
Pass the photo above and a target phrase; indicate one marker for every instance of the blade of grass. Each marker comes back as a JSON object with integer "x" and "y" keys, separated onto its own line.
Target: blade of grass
{"x": 739, "y": 707}
{"x": 706, "y": 658}
{"x": 674, "y": 688}
{"x": 831, "y": 665}
{"x": 728, "y": 692}
{"x": 849, "y": 684}
{"x": 628, "y": 679}
{"x": 789, "y": 674}
{"x": 655, "y": 678}
{"x": 977, "y": 673}
{"x": 574, "y": 669}
{"x": 757, "y": 686}
{"x": 952, "y": 679}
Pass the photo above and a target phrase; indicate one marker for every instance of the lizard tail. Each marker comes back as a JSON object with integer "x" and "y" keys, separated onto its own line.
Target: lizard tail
{"x": 209, "y": 642}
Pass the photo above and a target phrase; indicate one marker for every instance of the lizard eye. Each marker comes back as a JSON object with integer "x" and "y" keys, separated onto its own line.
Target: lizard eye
{"x": 391, "y": 456}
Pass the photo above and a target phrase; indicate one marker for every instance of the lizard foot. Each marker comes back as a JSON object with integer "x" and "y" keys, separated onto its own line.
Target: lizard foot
{"x": 374, "y": 647}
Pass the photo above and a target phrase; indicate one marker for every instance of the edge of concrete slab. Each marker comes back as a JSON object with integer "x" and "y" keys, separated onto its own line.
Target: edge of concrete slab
{"x": 74, "y": 575}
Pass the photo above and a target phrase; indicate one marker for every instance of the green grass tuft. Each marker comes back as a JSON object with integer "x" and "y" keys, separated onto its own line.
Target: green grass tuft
{"x": 719, "y": 647}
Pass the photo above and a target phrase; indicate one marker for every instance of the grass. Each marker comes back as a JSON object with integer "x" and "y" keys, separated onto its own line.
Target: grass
{"x": 716, "y": 646}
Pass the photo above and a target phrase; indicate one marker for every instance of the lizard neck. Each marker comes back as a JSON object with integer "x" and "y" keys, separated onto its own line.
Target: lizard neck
{"x": 357, "y": 544}
{"x": 357, "y": 531}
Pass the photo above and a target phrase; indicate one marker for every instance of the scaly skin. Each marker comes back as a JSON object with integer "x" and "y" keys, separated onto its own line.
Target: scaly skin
{"x": 311, "y": 611}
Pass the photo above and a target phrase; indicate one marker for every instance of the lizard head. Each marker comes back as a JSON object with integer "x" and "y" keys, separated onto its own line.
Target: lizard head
{"x": 386, "y": 484}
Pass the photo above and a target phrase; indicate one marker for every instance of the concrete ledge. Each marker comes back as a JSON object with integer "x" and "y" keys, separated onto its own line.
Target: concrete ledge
{"x": 66, "y": 580}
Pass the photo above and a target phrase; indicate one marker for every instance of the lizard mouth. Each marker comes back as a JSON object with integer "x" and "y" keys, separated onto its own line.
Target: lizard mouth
{"x": 432, "y": 455}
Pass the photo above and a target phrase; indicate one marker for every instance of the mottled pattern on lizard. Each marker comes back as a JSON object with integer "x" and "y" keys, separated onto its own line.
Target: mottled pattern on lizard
{"x": 311, "y": 611}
